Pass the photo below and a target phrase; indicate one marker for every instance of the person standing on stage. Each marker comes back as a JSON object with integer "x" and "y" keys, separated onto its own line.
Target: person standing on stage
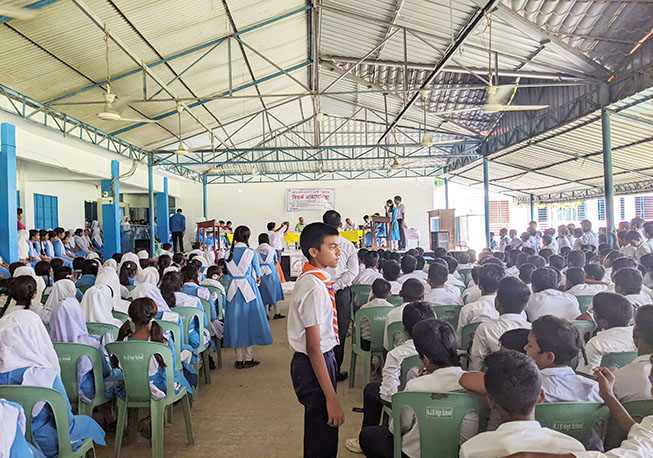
{"x": 178, "y": 228}
{"x": 401, "y": 219}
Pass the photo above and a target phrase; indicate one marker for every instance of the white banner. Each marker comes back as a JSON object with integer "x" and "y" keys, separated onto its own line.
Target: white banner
{"x": 298, "y": 200}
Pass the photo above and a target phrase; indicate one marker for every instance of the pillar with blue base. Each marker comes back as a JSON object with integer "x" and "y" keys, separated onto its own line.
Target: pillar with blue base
{"x": 111, "y": 212}
{"x": 607, "y": 176}
{"x": 150, "y": 196}
{"x": 162, "y": 214}
{"x": 8, "y": 219}
{"x": 486, "y": 195}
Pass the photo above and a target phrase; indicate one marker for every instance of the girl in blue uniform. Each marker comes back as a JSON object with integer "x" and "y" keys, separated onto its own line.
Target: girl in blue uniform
{"x": 27, "y": 358}
{"x": 391, "y": 212}
{"x": 245, "y": 322}
{"x": 270, "y": 287}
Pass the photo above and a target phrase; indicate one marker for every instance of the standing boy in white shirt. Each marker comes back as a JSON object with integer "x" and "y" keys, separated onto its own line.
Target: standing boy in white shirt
{"x": 371, "y": 272}
{"x": 510, "y": 301}
{"x": 547, "y": 300}
{"x": 612, "y": 314}
{"x": 312, "y": 334}
{"x": 514, "y": 387}
{"x": 439, "y": 295}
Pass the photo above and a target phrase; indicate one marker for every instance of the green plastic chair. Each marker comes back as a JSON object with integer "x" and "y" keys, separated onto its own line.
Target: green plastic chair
{"x": 44, "y": 298}
{"x": 439, "y": 416}
{"x": 586, "y": 328}
{"x": 584, "y": 302}
{"x": 207, "y": 311}
{"x": 218, "y": 302}
{"x": 615, "y": 361}
{"x": 173, "y": 328}
{"x": 448, "y": 313}
{"x": 639, "y": 409}
{"x": 575, "y": 419}
{"x": 120, "y": 315}
{"x": 69, "y": 355}
{"x": 406, "y": 365}
{"x": 134, "y": 358}
{"x": 47, "y": 327}
{"x": 396, "y": 334}
{"x": 187, "y": 315}
{"x": 84, "y": 288}
{"x": 225, "y": 283}
{"x": 362, "y": 294}
{"x": 465, "y": 273}
{"x": 461, "y": 288}
{"x": 467, "y": 336}
{"x": 376, "y": 318}
{"x": 101, "y": 329}
{"x": 395, "y": 300}
{"x": 28, "y": 397}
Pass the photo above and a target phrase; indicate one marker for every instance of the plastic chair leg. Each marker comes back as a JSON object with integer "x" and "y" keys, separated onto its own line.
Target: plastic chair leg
{"x": 367, "y": 367}
{"x": 169, "y": 411}
{"x": 206, "y": 368}
{"x": 157, "y": 414}
{"x": 120, "y": 427}
{"x": 352, "y": 369}
{"x": 185, "y": 405}
{"x": 218, "y": 350}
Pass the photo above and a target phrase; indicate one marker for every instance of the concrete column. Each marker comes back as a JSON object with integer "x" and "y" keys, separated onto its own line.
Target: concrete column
{"x": 150, "y": 195}
{"x": 486, "y": 195}
{"x": 111, "y": 212}
{"x": 8, "y": 218}
{"x": 162, "y": 216}
{"x": 607, "y": 175}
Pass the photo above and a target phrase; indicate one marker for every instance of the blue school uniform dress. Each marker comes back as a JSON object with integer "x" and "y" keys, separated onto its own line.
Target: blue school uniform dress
{"x": 85, "y": 280}
{"x": 394, "y": 228}
{"x": 245, "y": 321}
{"x": 45, "y": 434}
{"x": 60, "y": 252}
{"x": 187, "y": 370}
{"x": 201, "y": 292}
{"x": 114, "y": 382}
{"x": 270, "y": 287}
{"x": 12, "y": 415}
{"x": 194, "y": 337}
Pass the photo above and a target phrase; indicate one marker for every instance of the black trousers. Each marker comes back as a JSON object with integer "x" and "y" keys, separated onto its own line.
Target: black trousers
{"x": 377, "y": 442}
{"x": 372, "y": 404}
{"x": 402, "y": 234}
{"x": 320, "y": 439}
{"x": 343, "y": 306}
{"x": 178, "y": 242}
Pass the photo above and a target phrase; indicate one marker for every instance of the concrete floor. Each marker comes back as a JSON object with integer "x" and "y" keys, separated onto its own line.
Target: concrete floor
{"x": 249, "y": 413}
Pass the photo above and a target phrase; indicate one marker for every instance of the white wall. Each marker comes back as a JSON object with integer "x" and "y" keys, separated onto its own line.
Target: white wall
{"x": 255, "y": 204}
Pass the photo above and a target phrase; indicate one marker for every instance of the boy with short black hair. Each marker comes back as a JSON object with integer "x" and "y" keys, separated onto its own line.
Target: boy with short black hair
{"x": 419, "y": 273}
{"x": 510, "y": 301}
{"x": 628, "y": 282}
{"x": 391, "y": 271}
{"x": 312, "y": 334}
{"x": 408, "y": 266}
{"x": 411, "y": 291}
{"x": 439, "y": 294}
{"x": 582, "y": 283}
{"x": 612, "y": 314}
{"x": 526, "y": 272}
{"x": 547, "y": 300}
{"x": 513, "y": 385}
{"x": 380, "y": 294}
{"x": 631, "y": 382}
{"x": 576, "y": 258}
{"x": 370, "y": 272}
{"x": 473, "y": 292}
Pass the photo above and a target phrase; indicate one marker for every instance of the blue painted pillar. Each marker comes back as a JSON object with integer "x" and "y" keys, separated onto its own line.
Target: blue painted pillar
{"x": 162, "y": 216}
{"x": 204, "y": 195}
{"x": 8, "y": 219}
{"x": 150, "y": 195}
{"x": 607, "y": 176}
{"x": 111, "y": 213}
{"x": 486, "y": 195}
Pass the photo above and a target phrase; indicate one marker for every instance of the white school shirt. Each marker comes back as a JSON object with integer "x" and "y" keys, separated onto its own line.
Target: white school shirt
{"x": 639, "y": 443}
{"x": 639, "y": 299}
{"x": 366, "y": 333}
{"x": 613, "y": 340}
{"x": 586, "y": 289}
{"x": 310, "y": 305}
{"x": 401, "y": 211}
{"x": 393, "y": 316}
{"x": 631, "y": 382}
{"x": 590, "y": 238}
{"x": 453, "y": 281}
{"x": 629, "y": 251}
{"x": 562, "y": 384}
{"x": 406, "y": 277}
{"x": 441, "y": 296}
{"x": 486, "y": 338}
{"x": 444, "y": 379}
{"x": 471, "y": 294}
{"x": 421, "y": 275}
{"x": 275, "y": 240}
{"x": 519, "y": 436}
{"x": 512, "y": 271}
{"x": 648, "y": 281}
{"x": 367, "y": 277}
{"x": 564, "y": 242}
{"x": 392, "y": 369}
{"x": 552, "y": 302}
{"x": 477, "y": 312}
{"x": 643, "y": 249}
{"x": 344, "y": 273}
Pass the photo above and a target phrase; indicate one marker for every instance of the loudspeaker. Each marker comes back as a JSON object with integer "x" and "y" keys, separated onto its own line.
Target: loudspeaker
{"x": 440, "y": 239}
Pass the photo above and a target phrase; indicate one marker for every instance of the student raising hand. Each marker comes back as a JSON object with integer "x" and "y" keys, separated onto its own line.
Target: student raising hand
{"x": 605, "y": 378}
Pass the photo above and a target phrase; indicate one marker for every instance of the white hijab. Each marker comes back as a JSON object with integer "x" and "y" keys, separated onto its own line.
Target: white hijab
{"x": 111, "y": 263}
{"x": 62, "y": 289}
{"x": 151, "y": 291}
{"x": 23, "y": 246}
{"x": 170, "y": 269}
{"x": 97, "y": 304}
{"x": 142, "y": 254}
{"x": 67, "y": 324}
{"x": 24, "y": 342}
{"x": 10, "y": 416}
{"x": 150, "y": 275}
{"x": 133, "y": 258}
{"x": 93, "y": 255}
{"x": 185, "y": 300}
{"x": 107, "y": 276}
{"x": 40, "y": 283}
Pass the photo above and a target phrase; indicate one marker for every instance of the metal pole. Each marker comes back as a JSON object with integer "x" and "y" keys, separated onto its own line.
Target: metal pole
{"x": 607, "y": 175}
{"x": 150, "y": 195}
{"x": 532, "y": 208}
{"x": 446, "y": 191}
{"x": 486, "y": 191}
{"x": 204, "y": 196}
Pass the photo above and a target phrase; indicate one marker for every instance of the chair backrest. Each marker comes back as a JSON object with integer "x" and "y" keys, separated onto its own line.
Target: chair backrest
{"x": 639, "y": 409}
{"x": 584, "y": 302}
{"x": 130, "y": 287}
{"x": 615, "y": 361}
{"x": 575, "y": 419}
{"x": 134, "y": 359}
{"x": 69, "y": 355}
{"x": 224, "y": 282}
{"x": 395, "y": 334}
{"x": 173, "y": 328}
{"x": 406, "y": 365}
{"x": 189, "y": 314}
{"x": 376, "y": 318}
{"x": 362, "y": 294}
{"x": 120, "y": 315}
{"x": 448, "y": 313}
{"x": 439, "y": 416}
{"x": 28, "y": 397}
{"x": 218, "y": 300}
{"x": 101, "y": 329}
{"x": 84, "y": 288}
{"x": 464, "y": 273}
{"x": 586, "y": 328}
{"x": 395, "y": 300}
{"x": 207, "y": 308}
{"x": 47, "y": 327}
{"x": 467, "y": 336}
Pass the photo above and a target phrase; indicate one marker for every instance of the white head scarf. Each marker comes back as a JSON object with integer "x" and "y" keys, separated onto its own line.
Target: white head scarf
{"x": 97, "y": 304}
{"x": 24, "y": 342}
{"x": 151, "y": 291}
{"x": 62, "y": 289}
{"x": 10, "y": 416}
{"x": 93, "y": 255}
{"x": 96, "y": 236}
{"x": 184, "y": 300}
{"x": 23, "y": 246}
{"x": 111, "y": 263}
{"x": 107, "y": 276}
{"x": 150, "y": 275}
{"x": 142, "y": 254}
{"x": 67, "y": 323}
{"x": 94, "y": 225}
{"x": 40, "y": 283}
{"x": 170, "y": 269}
{"x": 133, "y": 258}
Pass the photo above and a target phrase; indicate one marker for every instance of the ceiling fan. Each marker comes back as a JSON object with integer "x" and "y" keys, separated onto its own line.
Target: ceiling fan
{"x": 181, "y": 150}
{"x": 15, "y": 11}
{"x": 111, "y": 111}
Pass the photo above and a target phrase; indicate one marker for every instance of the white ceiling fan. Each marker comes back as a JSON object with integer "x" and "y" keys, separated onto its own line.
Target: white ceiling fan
{"x": 181, "y": 149}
